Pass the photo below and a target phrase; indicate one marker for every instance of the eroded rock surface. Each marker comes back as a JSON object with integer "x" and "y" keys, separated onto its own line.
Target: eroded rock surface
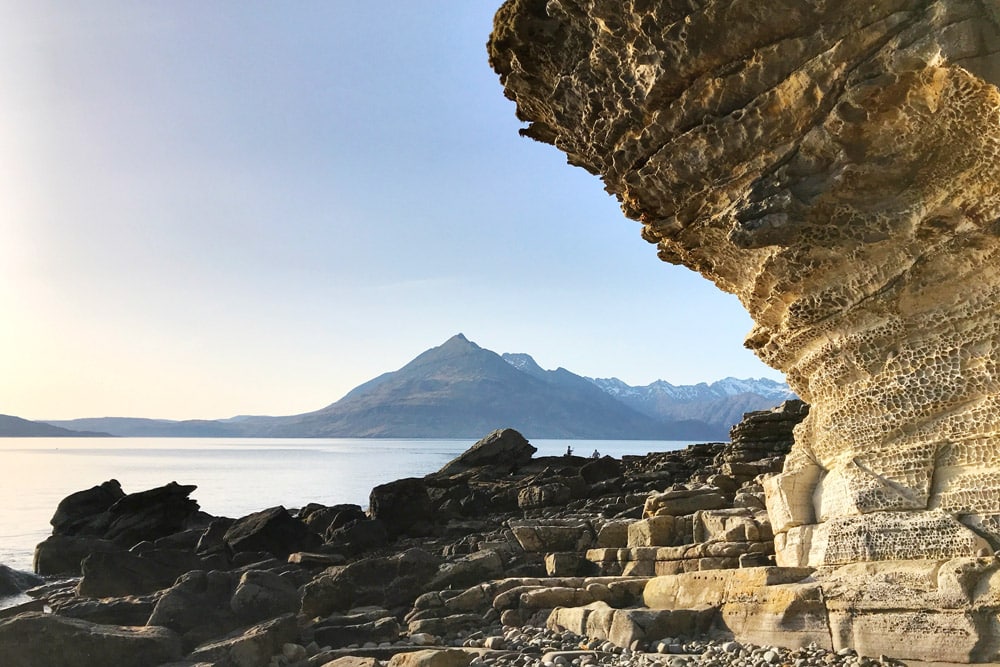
{"x": 833, "y": 165}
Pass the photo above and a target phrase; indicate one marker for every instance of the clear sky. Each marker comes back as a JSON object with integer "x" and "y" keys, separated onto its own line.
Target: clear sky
{"x": 210, "y": 209}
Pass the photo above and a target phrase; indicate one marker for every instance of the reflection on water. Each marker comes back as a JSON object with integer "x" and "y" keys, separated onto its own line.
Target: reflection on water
{"x": 235, "y": 476}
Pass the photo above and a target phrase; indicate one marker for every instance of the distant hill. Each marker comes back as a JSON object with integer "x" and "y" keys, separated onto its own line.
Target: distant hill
{"x": 461, "y": 390}
{"x": 15, "y": 427}
{"x": 135, "y": 427}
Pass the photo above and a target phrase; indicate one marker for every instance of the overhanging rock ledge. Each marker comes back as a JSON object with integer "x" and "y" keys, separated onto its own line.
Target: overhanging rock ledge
{"x": 834, "y": 165}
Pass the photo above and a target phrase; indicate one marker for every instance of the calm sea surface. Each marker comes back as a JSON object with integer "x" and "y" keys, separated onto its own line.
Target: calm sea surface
{"x": 235, "y": 476}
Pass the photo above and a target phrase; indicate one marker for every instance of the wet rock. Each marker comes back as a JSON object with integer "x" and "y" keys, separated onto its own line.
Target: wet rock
{"x": 14, "y": 582}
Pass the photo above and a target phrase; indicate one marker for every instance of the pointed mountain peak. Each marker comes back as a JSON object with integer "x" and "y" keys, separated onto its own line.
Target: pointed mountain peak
{"x": 458, "y": 339}
{"x": 457, "y": 344}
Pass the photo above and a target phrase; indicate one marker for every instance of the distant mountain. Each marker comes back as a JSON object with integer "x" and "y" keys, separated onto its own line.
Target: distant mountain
{"x": 460, "y": 390}
{"x": 15, "y": 427}
{"x": 720, "y": 404}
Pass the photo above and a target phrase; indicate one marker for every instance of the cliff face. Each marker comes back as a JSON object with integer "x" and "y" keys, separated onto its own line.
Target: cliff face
{"x": 834, "y": 165}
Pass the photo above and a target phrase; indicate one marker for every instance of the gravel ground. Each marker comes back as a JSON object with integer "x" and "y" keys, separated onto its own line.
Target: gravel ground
{"x": 538, "y": 647}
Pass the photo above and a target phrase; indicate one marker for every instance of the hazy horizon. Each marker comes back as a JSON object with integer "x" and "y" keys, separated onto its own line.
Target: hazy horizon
{"x": 241, "y": 208}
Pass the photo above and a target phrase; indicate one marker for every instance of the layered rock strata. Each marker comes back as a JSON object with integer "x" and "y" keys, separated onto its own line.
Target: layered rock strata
{"x": 833, "y": 165}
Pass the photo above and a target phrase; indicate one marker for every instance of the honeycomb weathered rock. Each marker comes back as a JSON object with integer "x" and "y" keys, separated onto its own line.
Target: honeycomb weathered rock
{"x": 833, "y": 165}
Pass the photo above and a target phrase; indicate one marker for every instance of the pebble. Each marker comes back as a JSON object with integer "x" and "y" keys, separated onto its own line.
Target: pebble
{"x": 526, "y": 646}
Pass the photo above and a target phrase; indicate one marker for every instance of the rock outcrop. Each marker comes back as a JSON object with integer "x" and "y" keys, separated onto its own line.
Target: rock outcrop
{"x": 494, "y": 537}
{"x": 833, "y": 165}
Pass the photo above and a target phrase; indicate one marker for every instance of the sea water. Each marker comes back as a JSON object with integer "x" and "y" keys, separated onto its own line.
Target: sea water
{"x": 234, "y": 476}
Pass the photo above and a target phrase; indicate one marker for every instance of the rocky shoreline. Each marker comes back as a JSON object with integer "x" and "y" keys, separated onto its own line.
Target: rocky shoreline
{"x": 499, "y": 558}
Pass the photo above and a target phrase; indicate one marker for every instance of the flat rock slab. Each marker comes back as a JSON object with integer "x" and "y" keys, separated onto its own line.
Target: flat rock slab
{"x": 41, "y": 640}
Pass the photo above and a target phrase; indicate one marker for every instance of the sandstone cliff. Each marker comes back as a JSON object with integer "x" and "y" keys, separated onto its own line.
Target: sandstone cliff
{"x": 833, "y": 164}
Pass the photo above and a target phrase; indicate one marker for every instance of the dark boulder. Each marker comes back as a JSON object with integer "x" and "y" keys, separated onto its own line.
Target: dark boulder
{"x": 15, "y": 582}
{"x": 253, "y": 648}
{"x": 129, "y": 610}
{"x": 42, "y": 640}
{"x": 322, "y": 519}
{"x": 198, "y": 607}
{"x": 272, "y": 530}
{"x": 125, "y": 573}
{"x": 473, "y": 569}
{"x": 151, "y": 515}
{"x": 601, "y": 469}
{"x": 359, "y": 535}
{"x": 84, "y": 512}
{"x": 263, "y": 594}
{"x": 505, "y": 450}
{"x": 544, "y": 495}
{"x": 213, "y": 539}
{"x": 404, "y": 506}
{"x": 763, "y": 434}
{"x": 64, "y": 554}
{"x": 390, "y": 582}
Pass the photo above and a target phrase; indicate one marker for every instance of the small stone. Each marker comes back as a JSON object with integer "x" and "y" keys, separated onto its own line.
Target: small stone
{"x": 423, "y": 639}
{"x": 731, "y": 647}
{"x": 495, "y": 643}
{"x": 770, "y": 657}
{"x": 847, "y": 650}
{"x": 294, "y": 652}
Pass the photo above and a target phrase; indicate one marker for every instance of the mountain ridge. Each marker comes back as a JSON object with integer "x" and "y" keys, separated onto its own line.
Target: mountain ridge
{"x": 11, "y": 426}
{"x": 459, "y": 389}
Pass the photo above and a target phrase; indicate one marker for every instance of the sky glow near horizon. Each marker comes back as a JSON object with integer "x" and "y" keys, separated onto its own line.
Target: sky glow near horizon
{"x": 245, "y": 208}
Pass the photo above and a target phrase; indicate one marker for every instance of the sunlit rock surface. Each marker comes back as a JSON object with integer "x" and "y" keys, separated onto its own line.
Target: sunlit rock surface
{"x": 835, "y": 166}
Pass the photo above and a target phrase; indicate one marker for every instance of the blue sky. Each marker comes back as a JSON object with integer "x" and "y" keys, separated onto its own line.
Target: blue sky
{"x": 244, "y": 207}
